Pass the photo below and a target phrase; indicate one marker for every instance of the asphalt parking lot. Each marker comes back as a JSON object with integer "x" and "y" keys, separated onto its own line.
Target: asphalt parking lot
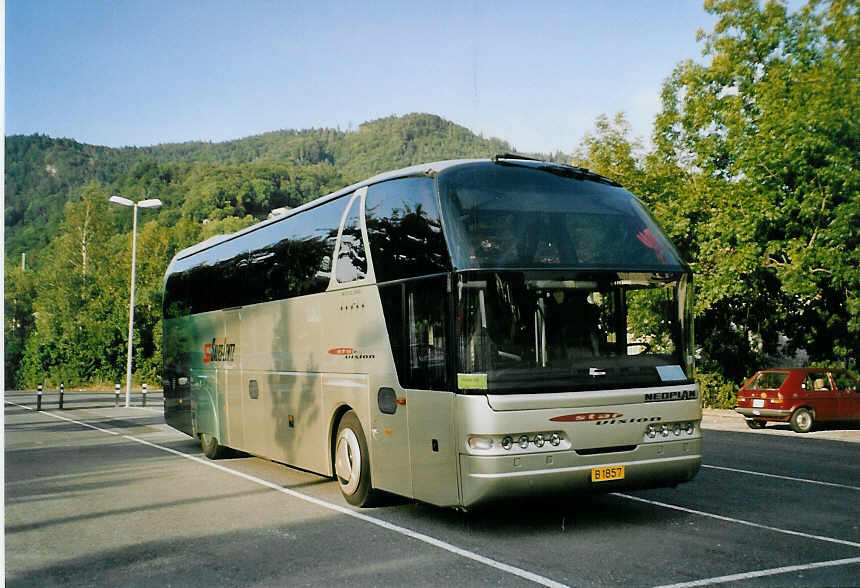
{"x": 103, "y": 495}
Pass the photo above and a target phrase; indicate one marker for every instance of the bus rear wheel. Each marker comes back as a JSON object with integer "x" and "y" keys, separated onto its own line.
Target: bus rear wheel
{"x": 211, "y": 448}
{"x": 352, "y": 462}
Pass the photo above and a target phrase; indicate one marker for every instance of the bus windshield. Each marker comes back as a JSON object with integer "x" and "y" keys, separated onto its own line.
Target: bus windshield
{"x": 502, "y": 216}
{"x": 540, "y": 331}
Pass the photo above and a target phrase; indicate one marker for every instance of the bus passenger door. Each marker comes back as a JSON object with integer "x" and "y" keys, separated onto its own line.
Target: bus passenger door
{"x": 389, "y": 436}
{"x": 431, "y": 424}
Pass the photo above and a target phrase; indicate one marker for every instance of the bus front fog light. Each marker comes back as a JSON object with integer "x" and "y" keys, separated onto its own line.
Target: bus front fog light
{"x": 507, "y": 443}
{"x": 539, "y": 440}
{"x": 554, "y": 440}
{"x": 480, "y": 443}
{"x": 524, "y": 442}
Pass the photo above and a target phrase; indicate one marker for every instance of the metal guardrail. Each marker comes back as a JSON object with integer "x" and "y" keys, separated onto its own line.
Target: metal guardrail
{"x": 41, "y": 395}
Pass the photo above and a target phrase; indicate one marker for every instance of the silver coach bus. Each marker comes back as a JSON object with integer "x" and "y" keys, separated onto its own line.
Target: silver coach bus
{"x": 453, "y": 332}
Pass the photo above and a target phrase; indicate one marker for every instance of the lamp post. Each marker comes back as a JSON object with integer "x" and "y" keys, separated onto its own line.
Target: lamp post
{"x": 149, "y": 203}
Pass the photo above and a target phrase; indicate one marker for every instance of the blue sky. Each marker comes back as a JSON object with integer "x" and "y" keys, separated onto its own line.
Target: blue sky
{"x": 143, "y": 72}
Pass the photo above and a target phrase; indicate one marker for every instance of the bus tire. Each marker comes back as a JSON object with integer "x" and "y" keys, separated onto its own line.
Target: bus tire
{"x": 802, "y": 420}
{"x": 211, "y": 448}
{"x": 352, "y": 462}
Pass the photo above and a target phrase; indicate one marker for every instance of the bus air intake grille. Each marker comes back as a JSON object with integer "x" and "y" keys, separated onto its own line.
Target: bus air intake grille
{"x": 598, "y": 450}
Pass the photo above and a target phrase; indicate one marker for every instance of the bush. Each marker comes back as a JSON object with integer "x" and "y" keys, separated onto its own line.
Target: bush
{"x": 717, "y": 391}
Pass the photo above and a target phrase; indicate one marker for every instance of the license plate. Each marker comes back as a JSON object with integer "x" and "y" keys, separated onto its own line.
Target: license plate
{"x": 758, "y": 403}
{"x": 606, "y": 473}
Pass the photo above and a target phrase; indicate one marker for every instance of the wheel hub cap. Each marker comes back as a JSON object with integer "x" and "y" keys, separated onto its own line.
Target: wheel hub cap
{"x": 347, "y": 463}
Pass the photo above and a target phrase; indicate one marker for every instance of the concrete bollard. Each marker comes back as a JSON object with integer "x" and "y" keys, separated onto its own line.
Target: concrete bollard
{"x": 116, "y": 395}
{"x": 144, "y": 394}
{"x": 39, "y": 398}
{"x": 62, "y": 390}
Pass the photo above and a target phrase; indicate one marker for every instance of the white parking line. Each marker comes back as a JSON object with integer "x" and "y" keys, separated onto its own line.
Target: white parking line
{"x": 62, "y": 418}
{"x": 738, "y": 521}
{"x": 751, "y": 473}
{"x": 519, "y": 572}
{"x": 762, "y": 573}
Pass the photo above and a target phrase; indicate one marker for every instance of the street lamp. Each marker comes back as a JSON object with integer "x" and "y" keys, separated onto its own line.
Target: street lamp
{"x": 148, "y": 203}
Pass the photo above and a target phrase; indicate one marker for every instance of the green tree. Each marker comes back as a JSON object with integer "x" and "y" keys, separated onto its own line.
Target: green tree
{"x": 768, "y": 135}
{"x": 19, "y": 294}
{"x": 611, "y": 151}
{"x": 73, "y": 335}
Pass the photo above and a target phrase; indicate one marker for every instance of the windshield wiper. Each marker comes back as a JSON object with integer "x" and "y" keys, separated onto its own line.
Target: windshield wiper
{"x": 559, "y": 169}
{"x": 579, "y": 173}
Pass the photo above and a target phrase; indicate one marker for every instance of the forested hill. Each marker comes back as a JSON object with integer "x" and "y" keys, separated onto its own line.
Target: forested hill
{"x": 753, "y": 174}
{"x": 43, "y": 173}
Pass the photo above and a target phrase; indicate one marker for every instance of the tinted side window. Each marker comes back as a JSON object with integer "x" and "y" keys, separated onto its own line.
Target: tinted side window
{"x": 176, "y": 302}
{"x": 313, "y": 246}
{"x": 404, "y": 229}
{"x": 416, "y": 319}
{"x": 351, "y": 259}
{"x": 426, "y": 328}
{"x": 293, "y": 257}
{"x": 288, "y": 258}
{"x": 216, "y": 279}
{"x": 392, "y": 308}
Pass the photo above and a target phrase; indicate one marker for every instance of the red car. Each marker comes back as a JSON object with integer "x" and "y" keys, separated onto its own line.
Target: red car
{"x": 799, "y": 396}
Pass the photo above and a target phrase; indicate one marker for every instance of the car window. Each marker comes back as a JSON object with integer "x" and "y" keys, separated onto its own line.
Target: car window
{"x": 845, "y": 381}
{"x": 820, "y": 382}
{"x": 768, "y": 381}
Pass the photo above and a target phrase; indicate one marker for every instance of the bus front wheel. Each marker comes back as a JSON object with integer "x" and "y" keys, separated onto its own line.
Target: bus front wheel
{"x": 352, "y": 463}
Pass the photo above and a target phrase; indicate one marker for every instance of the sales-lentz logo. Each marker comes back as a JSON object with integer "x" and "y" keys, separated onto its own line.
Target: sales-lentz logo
{"x": 218, "y": 350}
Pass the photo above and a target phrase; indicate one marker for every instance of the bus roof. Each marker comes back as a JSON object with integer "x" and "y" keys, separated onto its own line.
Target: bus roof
{"x": 424, "y": 169}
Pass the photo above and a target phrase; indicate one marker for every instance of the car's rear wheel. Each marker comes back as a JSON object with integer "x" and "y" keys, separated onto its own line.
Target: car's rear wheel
{"x": 802, "y": 420}
{"x": 756, "y": 424}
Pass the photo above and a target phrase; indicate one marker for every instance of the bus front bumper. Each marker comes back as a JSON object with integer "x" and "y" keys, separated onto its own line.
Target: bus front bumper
{"x": 652, "y": 465}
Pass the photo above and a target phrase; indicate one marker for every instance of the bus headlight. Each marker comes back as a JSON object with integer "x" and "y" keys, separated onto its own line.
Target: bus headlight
{"x": 481, "y": 443}
{"x": 517, "y": 442}
{"x": 659, "y": 432}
